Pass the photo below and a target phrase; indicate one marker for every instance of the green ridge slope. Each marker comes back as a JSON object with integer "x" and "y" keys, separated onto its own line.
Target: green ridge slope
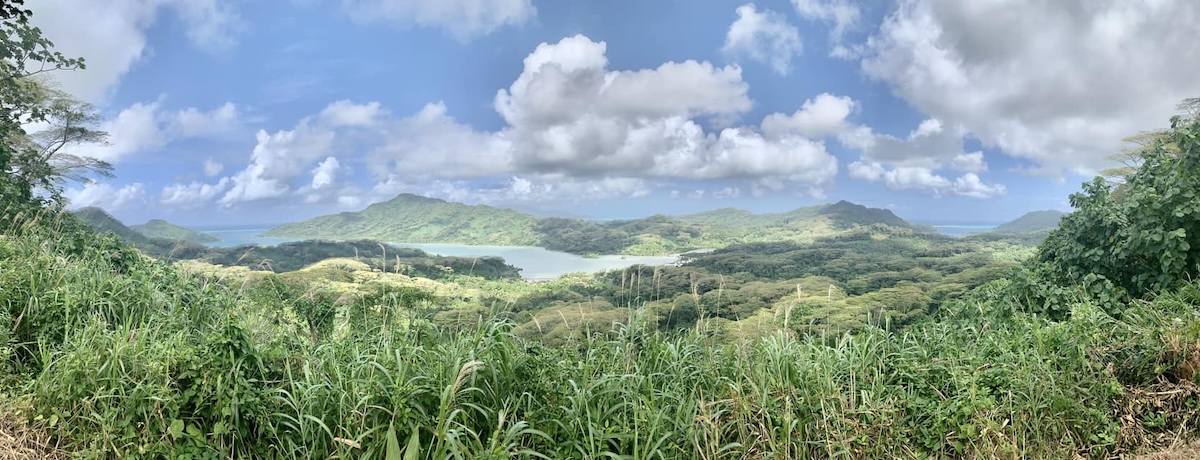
{"x": 158, "y": 228}
{"x": 415, "y": 219}
{"x": 1033, "y": 222}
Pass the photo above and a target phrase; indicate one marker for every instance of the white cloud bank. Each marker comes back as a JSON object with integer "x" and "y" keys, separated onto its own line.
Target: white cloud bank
{"x": 111, "y": 35}
{"x": 573, "y": 127}
{"x": 1059, "y": 83}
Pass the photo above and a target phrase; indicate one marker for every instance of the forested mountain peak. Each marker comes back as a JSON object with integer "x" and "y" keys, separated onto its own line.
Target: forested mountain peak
{"x": 847, "y": 214}
{"x": 103, "y": 222}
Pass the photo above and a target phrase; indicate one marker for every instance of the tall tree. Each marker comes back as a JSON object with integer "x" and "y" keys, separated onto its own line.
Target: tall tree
{"x": 1132, "y": 158}
{"x": 24, "y": 54}
{"x": 46, "y": 159}
{"x": 1145, "y": 240}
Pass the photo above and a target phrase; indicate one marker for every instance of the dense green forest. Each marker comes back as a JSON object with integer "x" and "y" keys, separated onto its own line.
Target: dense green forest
{"x": 847, "y": 336}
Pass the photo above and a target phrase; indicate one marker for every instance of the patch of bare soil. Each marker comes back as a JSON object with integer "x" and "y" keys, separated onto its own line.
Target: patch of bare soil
{"x": 1190, "y": 451}
{"x": 19, "y": 441}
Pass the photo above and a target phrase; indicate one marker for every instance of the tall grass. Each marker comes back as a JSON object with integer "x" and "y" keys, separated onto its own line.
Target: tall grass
{"x": 121, "y": 357}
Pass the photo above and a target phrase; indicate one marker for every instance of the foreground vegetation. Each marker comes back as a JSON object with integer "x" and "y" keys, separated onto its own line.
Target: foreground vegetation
{"x": 120, "y": 355}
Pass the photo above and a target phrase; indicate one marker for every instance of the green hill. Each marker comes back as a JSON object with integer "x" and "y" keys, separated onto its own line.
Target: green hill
{"x": 103, "y": 222}
{"x": 158, "y": 228}
{"x": 1033, "y": 222}
{"x": 847, "y": 215}
{"x": 842, "y": 215}
{"x": 721, "y": 216}
{"x": 416, "y": 219}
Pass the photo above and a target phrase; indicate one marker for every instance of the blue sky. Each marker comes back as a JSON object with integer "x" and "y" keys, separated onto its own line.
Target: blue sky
{"x": 225, "y": 111}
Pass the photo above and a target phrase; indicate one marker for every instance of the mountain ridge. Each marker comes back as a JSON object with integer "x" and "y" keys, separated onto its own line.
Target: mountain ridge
{"x": 410, "y": 218}
{"x": 103, "y": 222}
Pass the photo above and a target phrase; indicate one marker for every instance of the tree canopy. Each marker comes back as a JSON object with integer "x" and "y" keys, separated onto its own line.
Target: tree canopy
{"x": 27, "y": 162}
{"x": 1131, "y": 239}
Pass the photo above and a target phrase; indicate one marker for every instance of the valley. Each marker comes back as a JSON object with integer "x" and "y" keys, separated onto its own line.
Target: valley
{"x": 828, "y": 269}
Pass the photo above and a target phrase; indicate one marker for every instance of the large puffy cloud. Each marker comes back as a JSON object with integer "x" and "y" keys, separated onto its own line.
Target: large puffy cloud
{"x": 910, "y": 163}
{"x": 930, "y": 144}
{"x": 866, "y": 170}
{"x": 326, "y": 173}
{"x": 276, "y": 161}
{"x": 764, "y": 36}
{"x": 970, "y": 185}
{"x": 745, "y": 154}
{"x": 432, "y": 144}
{"x": 144, "y": 127}
{"x": 1059, "y": 83}
{"x": 569, "y": 114}
{"x": 921, "y": 179}
{"x": 111, "y": 35}
{"x": 822, "y": 116}
{"x": 573, "y": 126}
{"x": 464, "y": 18}
{"x": 105, "y": 196}
{"x": 566, "y": 81}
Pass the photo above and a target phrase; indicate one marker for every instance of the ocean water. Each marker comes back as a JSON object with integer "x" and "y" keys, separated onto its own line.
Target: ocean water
{"x": 962, "y": 229}
{"x": 539, "y": 263}
{"x": 240, "y": 236}
{"x": 535, "y": 263}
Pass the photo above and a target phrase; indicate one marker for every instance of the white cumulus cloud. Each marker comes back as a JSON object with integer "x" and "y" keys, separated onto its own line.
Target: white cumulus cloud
{"x": 326, "y": 173}
{"x": 1059, "y": 83}
{"x": 569, "y": 114}
{"x": 573, "y": 128}
{"x": 276, "y": 161}
{"x": 765, "y": 37}
{"x": 105, "y": 196}
{"x": 822, "y": 116}
{"x": 146, "y": 127}
{"x": 969, "y": 162}
{"x": 925, "y": 180}
{"x": 111, "y": 35}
